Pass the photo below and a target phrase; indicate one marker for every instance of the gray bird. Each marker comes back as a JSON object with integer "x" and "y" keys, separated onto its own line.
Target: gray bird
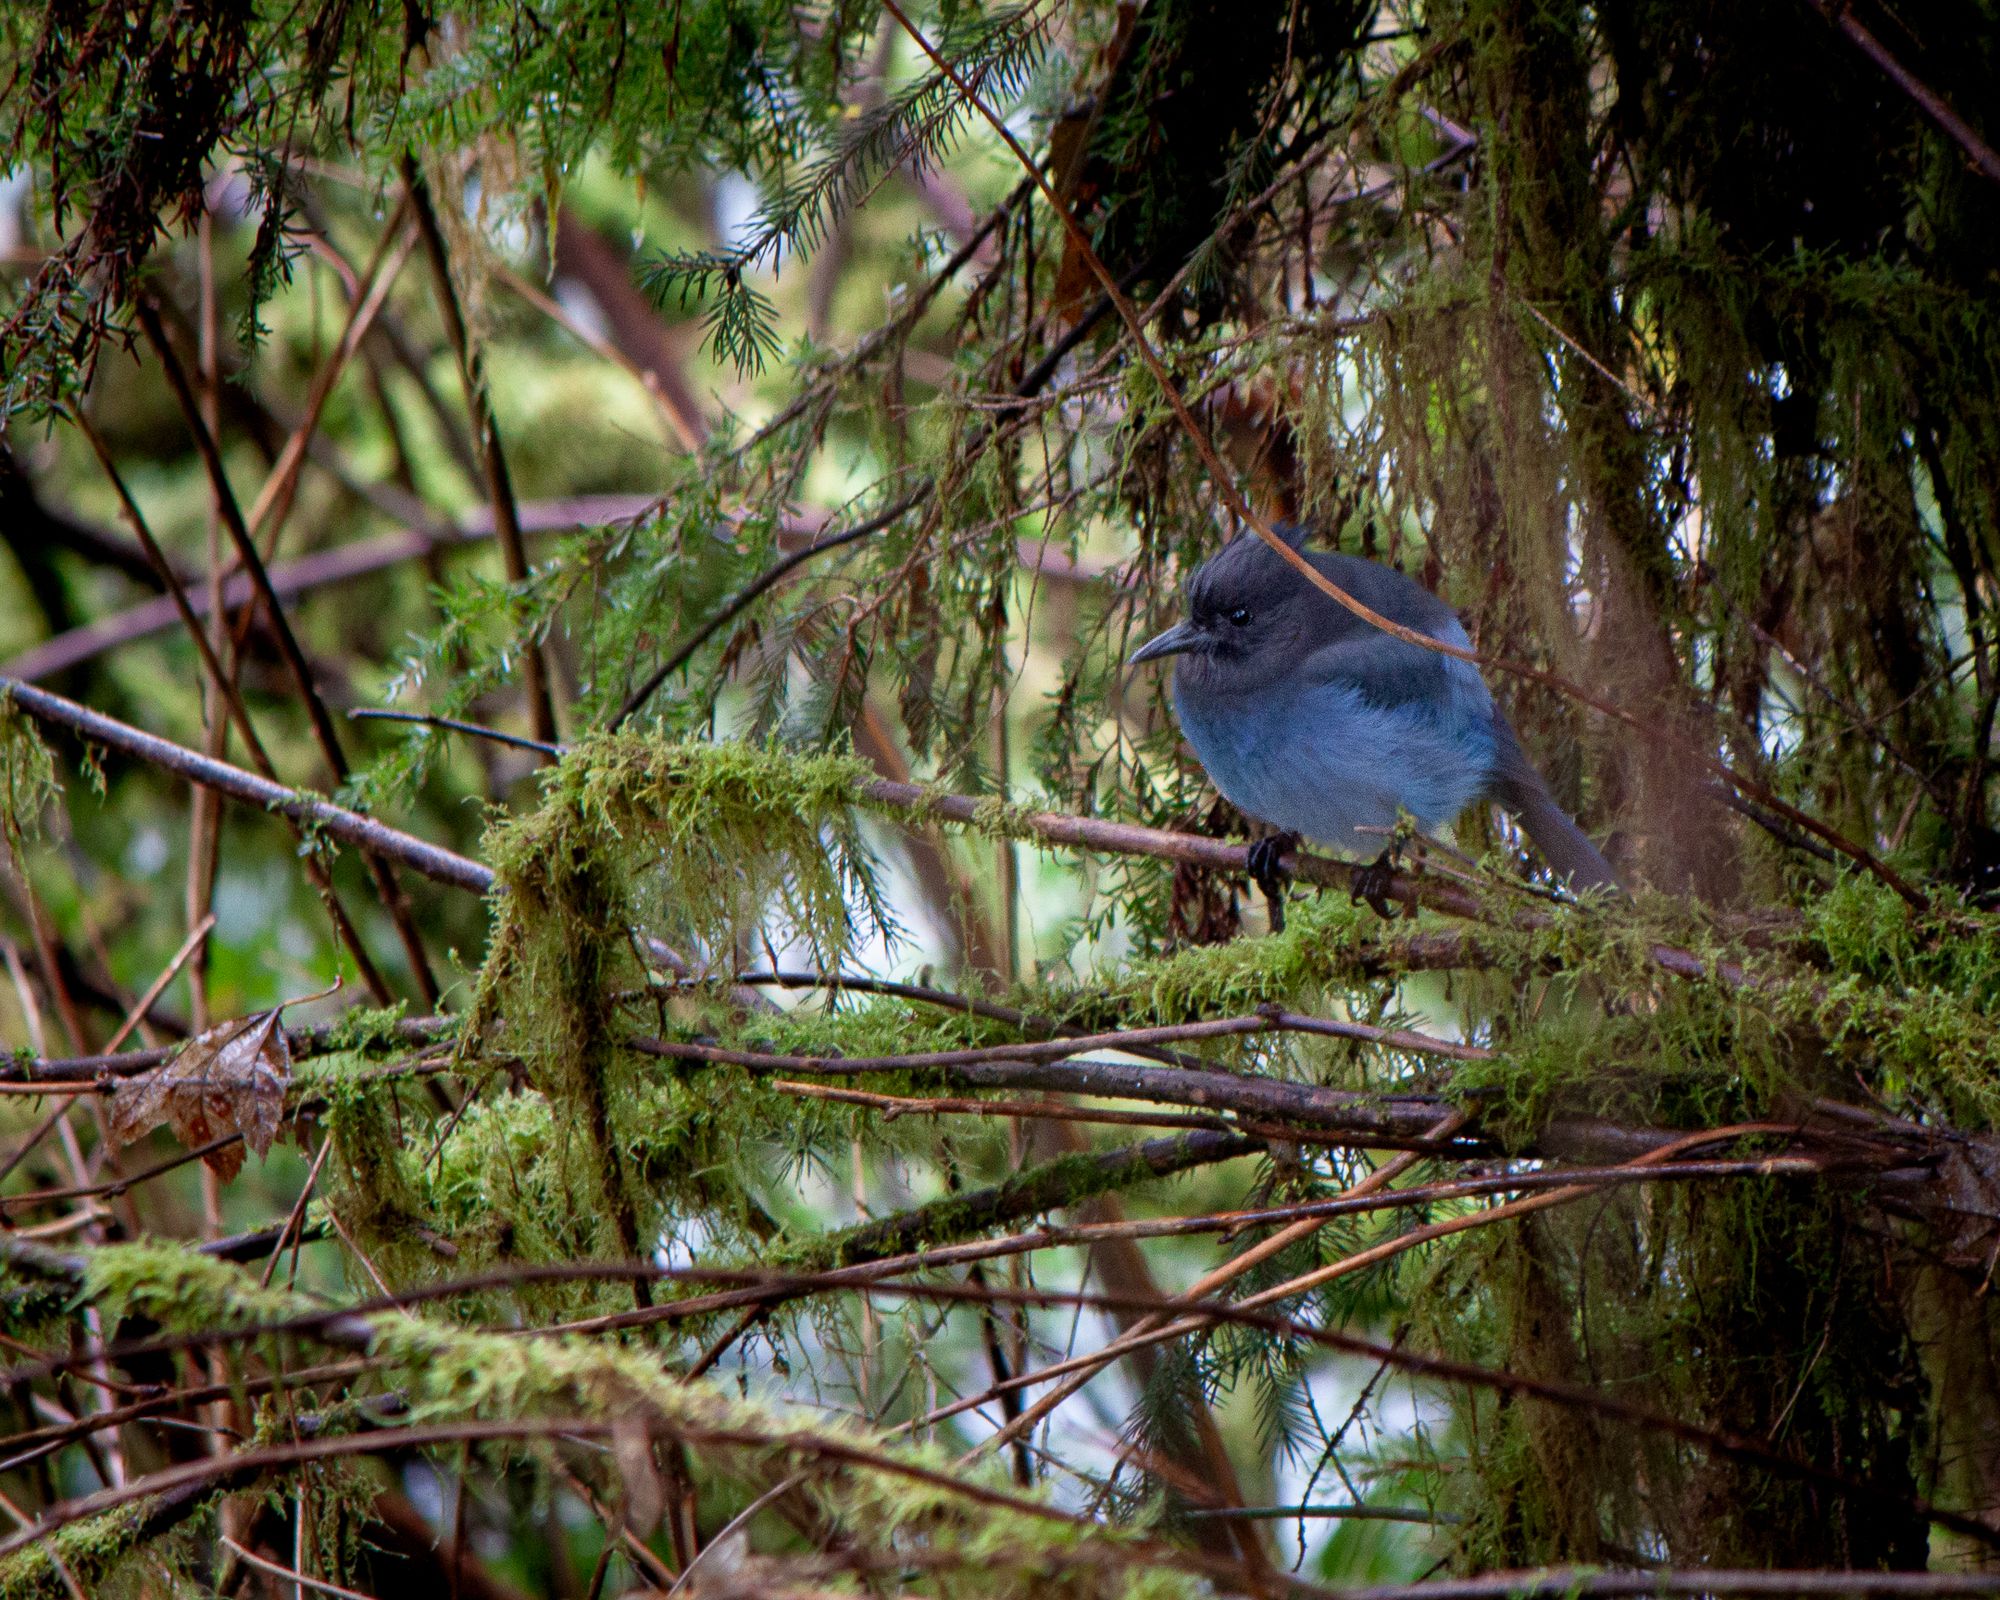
{"x": 1322, "y": 725}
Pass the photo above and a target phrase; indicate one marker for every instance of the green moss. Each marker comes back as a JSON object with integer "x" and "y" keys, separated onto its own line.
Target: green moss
{"x": 366, "y": 1031}
{"x": 1316, "y": 949}
{"x": 28, "y": 782}
{"x": 174, "y": 1286}
{"x": 91, "y": 1551}
{"x": 372, "y": 1190}
{"x": 1910, "y": 999}
{"x": 701, "y": 842}
{"x": 711, "y": 837}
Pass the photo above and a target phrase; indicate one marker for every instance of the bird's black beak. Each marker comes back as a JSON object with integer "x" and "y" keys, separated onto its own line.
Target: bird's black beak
{"x": 1181, "y": 636}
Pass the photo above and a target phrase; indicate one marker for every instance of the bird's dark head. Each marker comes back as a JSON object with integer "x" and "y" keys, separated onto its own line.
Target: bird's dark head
{"x": 1246, "y": 612}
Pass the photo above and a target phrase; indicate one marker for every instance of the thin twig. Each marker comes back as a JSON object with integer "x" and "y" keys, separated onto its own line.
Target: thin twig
{"x": 144, "y": 1003}
{"x": 118, "y": 1186}
{"x": 132, "y": 1020}
{"x": 453, "y": 725}
{"x": 296, "y": 1216}
{"x": 1719, "y": 1442}
{"x": 274, "y": 501}
{"x": 289, "y": 1574}
{"x": 764, "y": 581}
{"x": 39, "y": 1442}
{"x": 1983, "y": 155}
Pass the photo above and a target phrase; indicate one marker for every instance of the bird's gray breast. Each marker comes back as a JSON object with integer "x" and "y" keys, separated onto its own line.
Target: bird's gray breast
{"x": 1321, "y": 757}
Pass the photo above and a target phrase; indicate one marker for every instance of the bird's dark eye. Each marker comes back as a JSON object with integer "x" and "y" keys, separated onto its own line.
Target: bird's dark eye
{"x": 1240, "y": 616}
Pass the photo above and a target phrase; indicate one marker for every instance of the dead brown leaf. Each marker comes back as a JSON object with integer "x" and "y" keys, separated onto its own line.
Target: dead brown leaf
{"x": 230, "y": 1079}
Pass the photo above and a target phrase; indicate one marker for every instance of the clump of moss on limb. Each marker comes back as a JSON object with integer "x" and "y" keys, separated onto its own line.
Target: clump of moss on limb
{"x": 1583, "y": 1017}
{"x": 28, "y": 781}
{"x": 373, "y": 1191}
{"x": 710, "y": 840}
{"x": 1310, "y": 956}
{"x": 1914, "y": 998}
{"x": 104, "y": 1553}
{"x": 704, "y": 846}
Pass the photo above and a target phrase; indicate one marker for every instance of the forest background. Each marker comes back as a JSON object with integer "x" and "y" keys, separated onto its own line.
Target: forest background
{"x": 612, "y": 987}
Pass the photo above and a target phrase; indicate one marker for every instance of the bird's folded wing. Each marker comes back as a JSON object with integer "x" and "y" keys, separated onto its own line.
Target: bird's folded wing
{"x": 1395, "y": 675}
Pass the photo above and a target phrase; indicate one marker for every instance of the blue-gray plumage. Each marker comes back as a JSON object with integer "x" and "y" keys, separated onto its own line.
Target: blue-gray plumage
{"x": 1319, "y": 723}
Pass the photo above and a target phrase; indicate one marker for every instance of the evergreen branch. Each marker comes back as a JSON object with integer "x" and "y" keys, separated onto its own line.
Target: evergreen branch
{"x": 766, "y": 580}
{"x": 1031, "y": 384}
{"x": 741, "y": 322}
{"x": 914, "y": 128}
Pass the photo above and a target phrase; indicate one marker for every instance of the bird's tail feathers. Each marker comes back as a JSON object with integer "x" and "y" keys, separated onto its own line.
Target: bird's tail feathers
{"x": 1524, "y": 792}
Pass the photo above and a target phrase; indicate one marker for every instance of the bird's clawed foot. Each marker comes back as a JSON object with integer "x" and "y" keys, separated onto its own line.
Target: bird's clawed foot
{"x": 1265, "y": 862}
{"x": 1373, "y": 882}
